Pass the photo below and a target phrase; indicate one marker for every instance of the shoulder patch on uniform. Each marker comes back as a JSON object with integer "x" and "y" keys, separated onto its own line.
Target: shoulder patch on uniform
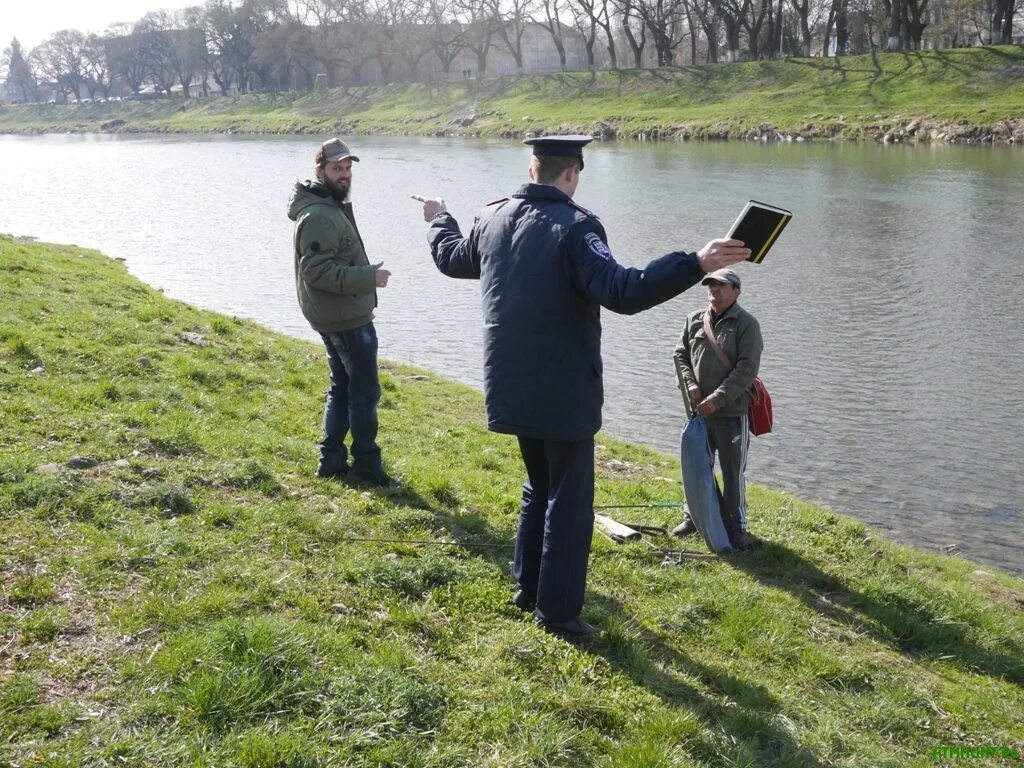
{"x": 495, "y": 202}
{"x": 596, "y": 244}
{"x": 314, "y": 247}
{"x": 581, "y": 209}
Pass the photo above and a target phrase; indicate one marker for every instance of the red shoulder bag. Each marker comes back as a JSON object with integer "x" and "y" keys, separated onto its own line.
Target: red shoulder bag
{"x": 759, "y": 414}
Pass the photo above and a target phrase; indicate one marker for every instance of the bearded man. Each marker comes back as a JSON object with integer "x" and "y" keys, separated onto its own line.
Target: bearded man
{"x": 337, "y": 289}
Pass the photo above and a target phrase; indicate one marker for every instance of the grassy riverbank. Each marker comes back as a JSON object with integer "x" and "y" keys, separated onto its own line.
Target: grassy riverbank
{"x": 178, "y": 590}
{"x": 950, "y": 95}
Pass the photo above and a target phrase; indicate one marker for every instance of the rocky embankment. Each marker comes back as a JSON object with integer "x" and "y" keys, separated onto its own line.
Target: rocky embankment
{"x": 893, "y": 131}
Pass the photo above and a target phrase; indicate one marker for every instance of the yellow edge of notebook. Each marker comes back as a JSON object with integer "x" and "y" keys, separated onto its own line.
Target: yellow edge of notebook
{"x": 771, "y": 239}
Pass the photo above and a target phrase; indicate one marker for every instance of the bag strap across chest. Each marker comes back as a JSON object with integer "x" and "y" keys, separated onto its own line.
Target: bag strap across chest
{"x": 710, "y": 333}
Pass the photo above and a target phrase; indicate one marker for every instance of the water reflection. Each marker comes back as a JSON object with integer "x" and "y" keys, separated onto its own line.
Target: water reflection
{"x": 889, "y": 307}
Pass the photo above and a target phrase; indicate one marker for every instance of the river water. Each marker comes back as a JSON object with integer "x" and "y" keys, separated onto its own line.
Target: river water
{"x": 890, "y": 306}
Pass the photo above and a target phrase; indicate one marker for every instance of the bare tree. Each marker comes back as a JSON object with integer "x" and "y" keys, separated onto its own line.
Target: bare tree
{"x": 157, "y": 31}
{"x": 189, "y": 48}
{"x": 324, "y": 16}
{"x": 706, "y": 13}
{"x": 554, "y": 26}
{"x": 445, "y": 33}
{"x": 126, "y": 56}
{"x": 896, "y": 14}
{"x": 96, "y": 66}
{"x": 231, "y": 34}
{"x": 757, "y": 13}
{"x": 802, "y": 8}
{"x": 916, "y": 22}
{"x": 666, "y": 21}
{"x": 59, "y": 60}
{"x": 512, "y": 26}
{"x": 586, "y": 25}
{"x": 598, "y": 13}
{"x": 394, "y": 23}
{"x": 479, "y": 26}
{"x": 837, "y": 19}
{"x": 633, "y": 28}
{"x": 1002, "y": 20}
{"x": 341, "y": 37}
{"x": 413, "y": 44}
{"x": 731, "y": 13}
{"x": 284, "y": 48}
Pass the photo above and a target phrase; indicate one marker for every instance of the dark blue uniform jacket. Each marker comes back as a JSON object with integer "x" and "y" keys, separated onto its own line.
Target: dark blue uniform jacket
{"x": 545, "y": 271}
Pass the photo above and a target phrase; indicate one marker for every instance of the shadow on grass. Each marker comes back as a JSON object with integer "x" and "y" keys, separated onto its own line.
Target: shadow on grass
{"x": 748, "y": 716}
{"x": 905, "y": 623}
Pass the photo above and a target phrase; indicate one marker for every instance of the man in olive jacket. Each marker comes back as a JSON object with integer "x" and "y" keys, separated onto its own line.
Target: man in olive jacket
{"x": 337, "y": 289}
{"x": 719, "y": 392}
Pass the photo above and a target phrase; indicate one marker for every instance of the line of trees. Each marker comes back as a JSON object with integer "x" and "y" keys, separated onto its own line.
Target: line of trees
{"x": 271, "y": 45}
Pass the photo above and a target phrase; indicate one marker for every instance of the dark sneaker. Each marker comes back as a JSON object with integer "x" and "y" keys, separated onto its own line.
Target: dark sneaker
{"x": 685, "y": 528}
{"x": 744, "y": 540}
{"x": 330, "y": 470}
{"x": 575, "y": 629}
{"x": 379, "y": 478}
{"x": 524, "y": 601}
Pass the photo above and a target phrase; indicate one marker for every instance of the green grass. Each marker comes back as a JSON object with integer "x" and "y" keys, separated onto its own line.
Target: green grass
{"x": 198, "y": 598}
{"x": 956, "y": 94}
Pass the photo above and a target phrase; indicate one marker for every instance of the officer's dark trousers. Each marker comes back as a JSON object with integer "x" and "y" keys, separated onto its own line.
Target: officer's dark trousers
{"x": 556, "y": 523}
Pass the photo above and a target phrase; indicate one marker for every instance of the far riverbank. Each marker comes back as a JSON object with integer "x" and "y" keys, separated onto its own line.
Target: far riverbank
{"x": 971, "y": 95}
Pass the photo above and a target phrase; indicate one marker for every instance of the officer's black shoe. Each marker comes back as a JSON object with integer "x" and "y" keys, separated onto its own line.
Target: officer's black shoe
{"x": 743, "y": 540}
{"x": 331, "y": 470}
{"x": 685, "y": 528}
{"x": 524, "y": 601}
{"x": 379, "y": 478}
{"x": 575, "y": 629}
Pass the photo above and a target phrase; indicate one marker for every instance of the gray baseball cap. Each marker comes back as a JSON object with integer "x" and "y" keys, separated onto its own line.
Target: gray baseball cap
{"x": 333, "y": 151}
{"x": 722, "y": 276}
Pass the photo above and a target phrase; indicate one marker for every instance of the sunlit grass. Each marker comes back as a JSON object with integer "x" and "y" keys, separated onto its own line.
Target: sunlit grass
{"x": 193, "y": 596}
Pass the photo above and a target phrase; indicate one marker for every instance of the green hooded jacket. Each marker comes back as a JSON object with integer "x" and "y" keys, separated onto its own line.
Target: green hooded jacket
{"x": 739, "y": 335}
{"x": 334, "y": 280}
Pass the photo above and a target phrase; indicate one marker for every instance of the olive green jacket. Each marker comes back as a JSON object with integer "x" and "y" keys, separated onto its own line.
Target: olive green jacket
{"x": 334, "y": 280}
{"x": 739, "y": 335}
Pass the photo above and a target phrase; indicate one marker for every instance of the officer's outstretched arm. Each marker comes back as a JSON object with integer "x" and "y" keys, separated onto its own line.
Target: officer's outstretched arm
{"x": 623, "y": 289}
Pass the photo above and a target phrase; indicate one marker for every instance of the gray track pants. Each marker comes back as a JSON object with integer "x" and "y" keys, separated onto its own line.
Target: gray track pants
{"x": 729, "y": 437}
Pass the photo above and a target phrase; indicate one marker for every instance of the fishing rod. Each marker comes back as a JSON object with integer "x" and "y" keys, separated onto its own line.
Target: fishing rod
{"x": 668, "y": 555}
{"x": 618, "y": 532}
{"x": 670, "y": 505}
{"x": 426, "y": 542}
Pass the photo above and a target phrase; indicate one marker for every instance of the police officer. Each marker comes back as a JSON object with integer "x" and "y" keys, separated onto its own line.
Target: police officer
{"x": 545, "y": 271}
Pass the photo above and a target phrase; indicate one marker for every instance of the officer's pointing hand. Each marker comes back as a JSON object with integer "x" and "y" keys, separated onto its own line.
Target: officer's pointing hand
{"x": 380, "y": 276}
{"x": 432, "y": 206}
{"x": 722, "y": 253}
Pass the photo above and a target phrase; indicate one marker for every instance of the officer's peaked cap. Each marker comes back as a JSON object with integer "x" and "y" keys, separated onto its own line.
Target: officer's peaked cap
{"x": 560, "y": 146}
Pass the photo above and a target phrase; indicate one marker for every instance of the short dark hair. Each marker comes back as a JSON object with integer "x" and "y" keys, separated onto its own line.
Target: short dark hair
{"x": 547, "y": 168}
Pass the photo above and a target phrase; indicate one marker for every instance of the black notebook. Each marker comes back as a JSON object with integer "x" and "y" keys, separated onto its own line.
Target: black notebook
{"x": 759, "y": 226}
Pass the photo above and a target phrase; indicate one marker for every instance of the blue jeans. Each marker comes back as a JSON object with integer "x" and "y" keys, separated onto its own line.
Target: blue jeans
{"x": 352, "y": 400}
